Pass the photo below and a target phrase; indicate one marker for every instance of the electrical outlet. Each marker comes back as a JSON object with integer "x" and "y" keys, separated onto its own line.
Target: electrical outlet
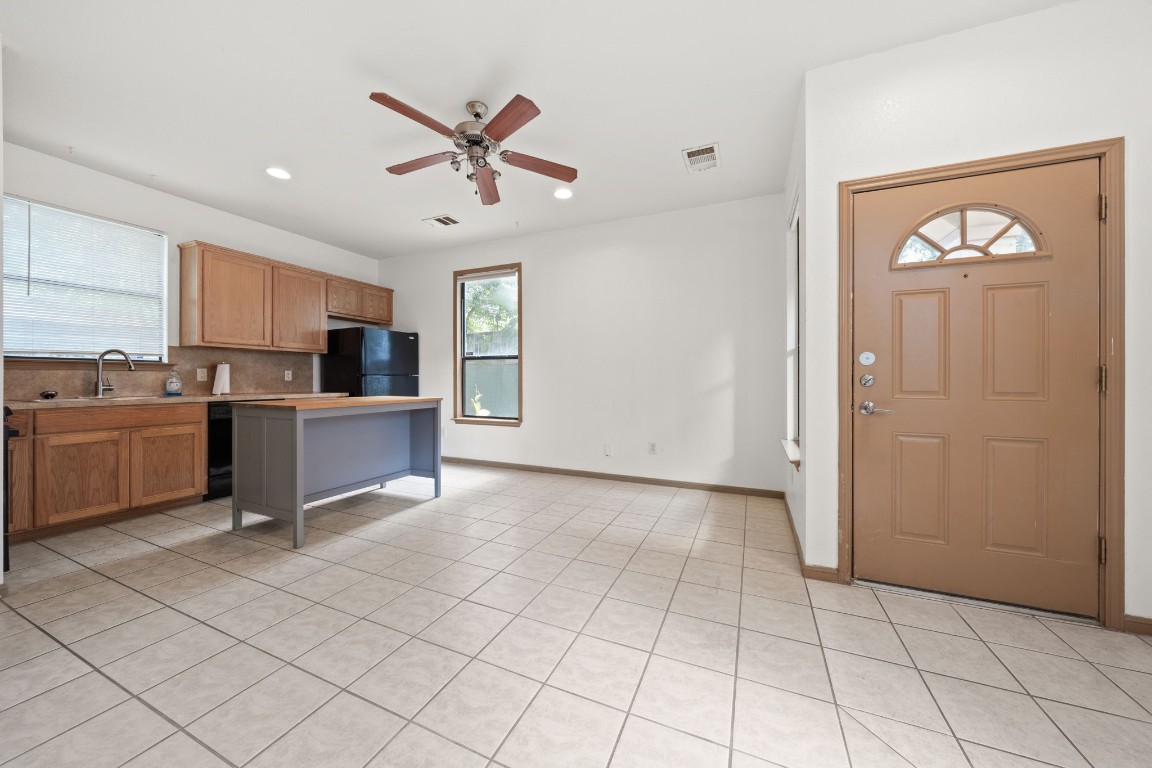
{"x": 607, "y": 449}
{"x": 288, "y": 375}
{"x": 652, "y": 448}
{"x": 201, "y": 374}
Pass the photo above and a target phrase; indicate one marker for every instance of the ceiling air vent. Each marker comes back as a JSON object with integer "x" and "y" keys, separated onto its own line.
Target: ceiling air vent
{"x": 444, "y": 220}
{"x": 702, "y": 158}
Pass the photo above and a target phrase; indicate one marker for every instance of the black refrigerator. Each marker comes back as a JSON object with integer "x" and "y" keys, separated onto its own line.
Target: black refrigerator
{"x": 370, "y": 361}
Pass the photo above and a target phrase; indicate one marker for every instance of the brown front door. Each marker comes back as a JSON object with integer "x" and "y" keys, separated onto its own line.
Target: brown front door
{"x": 984, "y": 480}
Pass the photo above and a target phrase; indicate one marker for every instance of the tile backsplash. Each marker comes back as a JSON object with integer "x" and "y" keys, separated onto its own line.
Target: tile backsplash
{"x": 252, "y": 371}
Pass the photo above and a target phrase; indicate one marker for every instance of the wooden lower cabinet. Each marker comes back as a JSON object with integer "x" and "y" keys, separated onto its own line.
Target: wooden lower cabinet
{"x": 80, "y": 475}
{"x": 88, "y": 462}
{"x": 164, "y": 464}
{"x": 19, "y": 484}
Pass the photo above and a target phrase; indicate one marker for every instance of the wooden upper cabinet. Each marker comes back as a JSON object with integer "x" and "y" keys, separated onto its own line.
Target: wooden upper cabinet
{"x": 345, "y": 299}
{"x": 299, "y": 306}
{"x": 233, "y": 299}
{"x": 378, "y": 305}
{"x": 359, "y": 301}
{"x": 225, "y": 298}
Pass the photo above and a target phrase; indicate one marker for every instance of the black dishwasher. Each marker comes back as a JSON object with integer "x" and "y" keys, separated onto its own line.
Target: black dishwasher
{"x": 220, "y": 447}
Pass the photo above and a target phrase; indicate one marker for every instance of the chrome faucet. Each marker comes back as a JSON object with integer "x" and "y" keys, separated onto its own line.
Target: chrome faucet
{"x": 102, "y": 384}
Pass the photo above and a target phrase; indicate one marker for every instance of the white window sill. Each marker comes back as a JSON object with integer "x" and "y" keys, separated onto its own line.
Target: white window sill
{"x": 792, "y": 450}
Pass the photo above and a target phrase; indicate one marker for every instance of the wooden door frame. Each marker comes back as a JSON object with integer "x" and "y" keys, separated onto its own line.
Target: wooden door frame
{"x": 1110, "y": 152}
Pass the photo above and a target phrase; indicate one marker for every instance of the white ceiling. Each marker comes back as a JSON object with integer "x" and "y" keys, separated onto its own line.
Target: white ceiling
{"x": 198, "y": 98}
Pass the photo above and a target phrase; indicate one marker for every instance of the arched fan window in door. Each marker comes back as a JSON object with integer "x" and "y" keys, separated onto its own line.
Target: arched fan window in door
{"x": 968, "y": 233}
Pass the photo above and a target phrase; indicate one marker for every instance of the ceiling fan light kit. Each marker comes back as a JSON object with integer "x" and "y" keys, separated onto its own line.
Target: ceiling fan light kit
{"x": 478, "y": 142}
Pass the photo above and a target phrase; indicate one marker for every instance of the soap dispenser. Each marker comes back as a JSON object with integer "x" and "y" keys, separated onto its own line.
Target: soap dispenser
{"x": 173, "y": 385}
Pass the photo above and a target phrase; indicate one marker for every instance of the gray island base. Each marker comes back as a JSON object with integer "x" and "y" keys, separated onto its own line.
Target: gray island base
{"x": 288, "y": 453}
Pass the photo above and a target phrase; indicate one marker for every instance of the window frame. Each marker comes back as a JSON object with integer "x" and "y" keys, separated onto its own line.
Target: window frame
{"x": 1040, "y": 251}
{"x": 459, "y": 278}
{"x": 69, "y": 361}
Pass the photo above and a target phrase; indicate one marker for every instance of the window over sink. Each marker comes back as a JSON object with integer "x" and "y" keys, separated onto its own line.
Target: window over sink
{"x": 76, "y": 285}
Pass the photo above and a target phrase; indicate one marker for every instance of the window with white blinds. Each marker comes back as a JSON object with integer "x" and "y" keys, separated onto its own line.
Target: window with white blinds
{"x": 76, "y": 285}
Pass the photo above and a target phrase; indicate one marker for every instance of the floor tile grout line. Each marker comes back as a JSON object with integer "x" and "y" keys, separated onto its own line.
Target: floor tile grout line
{"x": 736, "y": 669}
{"x": 843, "y": 712}
{"x": 923, "y": 681}
{"x": 238, "y": 693}
{"x": 643, "y": 672}
{"x": 131, "y": 696}
{"x": 239, "y": 641}
{"x": 668, "y": 609}
{"x": 1025, "y": 688}
{"x": 1096, "y": 666}
{"x": 542, "y": 685}
{"x": 828, "y": 673}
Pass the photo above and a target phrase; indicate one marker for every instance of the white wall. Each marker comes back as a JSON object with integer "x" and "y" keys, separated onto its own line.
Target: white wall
{"x": 50, "y": 180}
{"x": 1071, "y": 74}
{"x": 664, "y": 328}
{"x": 796, "y": 240}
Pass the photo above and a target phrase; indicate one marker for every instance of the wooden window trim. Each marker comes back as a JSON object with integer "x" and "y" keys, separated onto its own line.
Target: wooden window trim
{"x": 458, "y": 415}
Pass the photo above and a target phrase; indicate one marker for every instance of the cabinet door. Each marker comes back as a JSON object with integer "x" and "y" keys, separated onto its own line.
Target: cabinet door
{"x": 299, "y": 302}
{"x": 167, "y": 463}
{"x": 344, "y": 299}
{"x": 19, "y": 484}
{"x": 236, "y": 300}
{"x": 378, "y": 305}
{"x": 80, "y": 475}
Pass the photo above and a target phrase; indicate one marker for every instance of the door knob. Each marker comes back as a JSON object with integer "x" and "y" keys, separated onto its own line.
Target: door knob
{"x": 868, "y": 408}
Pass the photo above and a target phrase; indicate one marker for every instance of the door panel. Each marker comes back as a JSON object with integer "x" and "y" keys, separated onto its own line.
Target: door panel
{"x": 920, "y": 488}
{"x": 167, "y": 463}
{"x": 299, "y": 311}
{"x": 985, "y": 480}
{"x": 80, "y": 476}
{"x": 920, "y": 344}
{"x": 1016, "y": 342}
{"x": 1016, "y": 495}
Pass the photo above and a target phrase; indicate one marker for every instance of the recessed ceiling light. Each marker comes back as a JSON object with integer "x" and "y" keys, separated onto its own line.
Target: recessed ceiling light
{"x": 279, "y": 173}
{"x": 563, "y": 193}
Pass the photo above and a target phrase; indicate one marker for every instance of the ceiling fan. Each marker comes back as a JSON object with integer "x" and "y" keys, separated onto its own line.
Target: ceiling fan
{"x": 478, "y": 142}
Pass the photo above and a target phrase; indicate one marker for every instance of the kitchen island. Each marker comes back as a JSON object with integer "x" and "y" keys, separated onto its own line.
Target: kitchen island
{"x": 289, "y": 453}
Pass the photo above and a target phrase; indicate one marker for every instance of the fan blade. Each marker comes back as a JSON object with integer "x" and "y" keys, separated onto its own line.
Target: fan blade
{"x": 421, "y": 162}
{"x": 414, "y": 114}
{"x": 489, "y": 195}
{"x": 512, "y": 118}
{"x": 536, "y": 165}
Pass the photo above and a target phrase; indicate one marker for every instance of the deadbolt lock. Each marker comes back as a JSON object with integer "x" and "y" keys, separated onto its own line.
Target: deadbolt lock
{"x": 867, "y": 380}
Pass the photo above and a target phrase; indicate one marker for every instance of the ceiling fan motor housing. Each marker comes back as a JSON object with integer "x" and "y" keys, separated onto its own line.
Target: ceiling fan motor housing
{"x": 470, "y": 136}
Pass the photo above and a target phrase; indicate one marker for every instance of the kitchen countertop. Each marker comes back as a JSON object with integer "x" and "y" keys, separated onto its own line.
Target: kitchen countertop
{"x": 321, "y": 403}
{"x": 39, "y": 405}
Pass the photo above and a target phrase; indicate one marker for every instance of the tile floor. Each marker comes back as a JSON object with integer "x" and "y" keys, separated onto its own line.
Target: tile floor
{"x": 530, "y": 620}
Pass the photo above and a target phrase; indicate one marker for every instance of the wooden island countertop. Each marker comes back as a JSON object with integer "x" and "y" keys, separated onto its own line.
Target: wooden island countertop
{"x": 323, "y": 403}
